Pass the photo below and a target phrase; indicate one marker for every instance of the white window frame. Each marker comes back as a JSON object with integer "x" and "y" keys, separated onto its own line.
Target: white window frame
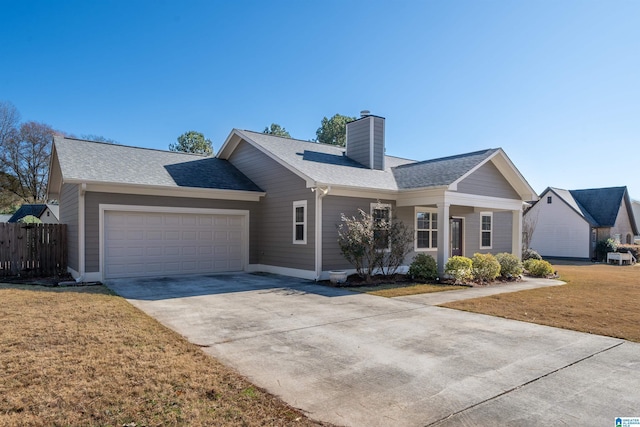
{"x": 430, "y": 211}
{"x": 373, "y": 207}
{"x": 490, "y": 231}
{"x": 304, "y": 223}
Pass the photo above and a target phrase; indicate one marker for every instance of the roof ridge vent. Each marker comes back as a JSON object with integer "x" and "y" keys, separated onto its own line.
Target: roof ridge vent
{"x": 365, "y": 113}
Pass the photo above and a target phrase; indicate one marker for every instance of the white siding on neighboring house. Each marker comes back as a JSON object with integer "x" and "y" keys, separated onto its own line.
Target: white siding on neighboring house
{"x": 559, "y": 230}
{"x": 636, "y": 213}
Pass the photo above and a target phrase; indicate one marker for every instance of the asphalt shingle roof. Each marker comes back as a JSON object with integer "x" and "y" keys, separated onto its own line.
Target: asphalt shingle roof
{"x": 24, "y": 210}
{"x": 118, "y": 164}
{"x": 438, "y": 172}
{"x": 602, "y": 204}
{"x": 328, "y": 164}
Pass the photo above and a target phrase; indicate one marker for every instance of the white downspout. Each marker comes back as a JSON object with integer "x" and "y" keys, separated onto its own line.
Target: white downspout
{"x": 320, "y": 193}
{"x": 81, "y": 233}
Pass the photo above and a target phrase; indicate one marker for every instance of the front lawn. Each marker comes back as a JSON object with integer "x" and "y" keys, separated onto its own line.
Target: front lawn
{"x": 599, "y": 299}
{"x": 83, "y": 357}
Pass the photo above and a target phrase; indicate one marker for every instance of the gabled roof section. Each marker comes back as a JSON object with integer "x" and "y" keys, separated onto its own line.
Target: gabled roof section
{"x": 24, "y": 210}
{"x": 439, "y": 172}
{"x": 98, "y": 162}
{"x": 318, "y": 164}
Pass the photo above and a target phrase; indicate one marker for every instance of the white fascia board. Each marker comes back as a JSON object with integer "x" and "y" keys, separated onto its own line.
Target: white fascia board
{"x": 229, "y": 145}
{"x": 159, "y": 190}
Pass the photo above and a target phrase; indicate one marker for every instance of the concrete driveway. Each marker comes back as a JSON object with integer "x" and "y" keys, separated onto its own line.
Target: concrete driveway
{"x": 360, "y": 360}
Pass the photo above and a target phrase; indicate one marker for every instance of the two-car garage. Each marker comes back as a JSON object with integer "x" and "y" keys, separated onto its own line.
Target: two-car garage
{"x": 157, "y": 243}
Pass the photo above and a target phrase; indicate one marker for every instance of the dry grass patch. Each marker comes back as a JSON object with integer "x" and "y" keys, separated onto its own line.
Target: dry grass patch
{"x": 81, "y": 356}
{"x": 599, "y": 299}
{"x": 402, "y": 289}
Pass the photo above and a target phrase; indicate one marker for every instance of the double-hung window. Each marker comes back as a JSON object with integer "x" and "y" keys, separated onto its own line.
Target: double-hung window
{"x": 381, "y": 216}
{"x": 300, "y": 222}
{"x": 426, "y": 229}
{"x": 486, "y": 230}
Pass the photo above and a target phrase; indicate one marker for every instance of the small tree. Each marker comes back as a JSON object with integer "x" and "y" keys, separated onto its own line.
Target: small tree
{"x": 334, "y": 130}
{"x": 193, "y": 142}
{"x": 30, "y": 219}
{"x": 277, "y": 130}
{"x": 370, "y": 243}
{"x": 357, "y": 243}
{"x": 400, "y": 242}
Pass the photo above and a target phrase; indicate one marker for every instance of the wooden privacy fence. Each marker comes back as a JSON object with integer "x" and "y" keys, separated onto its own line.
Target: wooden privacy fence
{"x": 33, "y": 249}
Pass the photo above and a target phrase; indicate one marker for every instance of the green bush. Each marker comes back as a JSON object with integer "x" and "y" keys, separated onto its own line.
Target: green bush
{"x": 538, "y": 267}
{"x": 30, "y": 219}
{"x": 605, "y": 246}
{"x": 530, "y": 254}
{"x": 460, "y": 268}
{"x": 510, "y": 265}
{"x": 485, "y": 267}
{"x": 423, "y": 267}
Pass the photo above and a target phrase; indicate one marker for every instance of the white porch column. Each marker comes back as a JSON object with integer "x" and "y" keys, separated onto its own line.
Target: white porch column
{"x": 444, "y": 241}
{"x": 516, "y": 233}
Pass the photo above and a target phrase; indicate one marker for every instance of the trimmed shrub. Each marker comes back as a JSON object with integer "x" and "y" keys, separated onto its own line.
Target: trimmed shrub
{"x": 605, "y": 246}
{"x": 510, "y": 265}
{"x": 538, "y": 267}
{"x": 485, "y": 267}
{"x": 30, "y": 219}
{"x": 530, "y": 254}
{"x": 460, "y": 268}
{"x": 423, "y": 267}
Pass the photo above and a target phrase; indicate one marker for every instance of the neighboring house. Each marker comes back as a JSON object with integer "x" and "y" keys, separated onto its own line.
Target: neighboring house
{"x": 5, "y": 217}
{"x": 47, "y": 213}
{"x": 272, "y": 204}
{"x": 636, "y": 213}
{"x": 569, "y": 223}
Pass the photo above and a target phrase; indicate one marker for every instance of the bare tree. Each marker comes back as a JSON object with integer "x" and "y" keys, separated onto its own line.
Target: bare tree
{"x": 528, "y": 227}
{"x": 24, "y": 155}
{"x": 9, "y": 119}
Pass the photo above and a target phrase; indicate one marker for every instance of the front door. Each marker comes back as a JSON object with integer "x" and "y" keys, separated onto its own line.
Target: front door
{"x": 456, "y": 236}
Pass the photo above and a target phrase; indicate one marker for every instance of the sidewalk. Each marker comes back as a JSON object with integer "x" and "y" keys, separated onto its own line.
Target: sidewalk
{"x": 437, "y": 298}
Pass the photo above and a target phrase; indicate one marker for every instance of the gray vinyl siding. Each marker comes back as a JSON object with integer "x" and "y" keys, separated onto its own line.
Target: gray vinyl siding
{"x": 501, "y": 239}
{"x": 358, "y": 141}
{"x": 332, "y": 208}
{"x": 488, "y": 181}
{"x": 92, "y": 212}
{"x": 69, "y": 215}
{"x": 275, "y": 224}
{"x": 378, "y": 143}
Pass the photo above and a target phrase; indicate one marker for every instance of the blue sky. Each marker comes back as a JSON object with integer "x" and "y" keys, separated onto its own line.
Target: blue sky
{"x": 556, "y": 84}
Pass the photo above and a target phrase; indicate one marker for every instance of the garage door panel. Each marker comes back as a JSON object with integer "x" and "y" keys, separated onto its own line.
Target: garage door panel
{"x": 142, "y": 243}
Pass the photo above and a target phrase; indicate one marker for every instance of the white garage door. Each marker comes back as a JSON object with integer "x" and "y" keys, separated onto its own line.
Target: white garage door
{"x": 156, "y": 243}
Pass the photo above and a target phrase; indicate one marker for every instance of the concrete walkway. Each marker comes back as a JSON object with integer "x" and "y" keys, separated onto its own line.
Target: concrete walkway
{"x": 361, "y": 360}
{"x": 437, "y": 298}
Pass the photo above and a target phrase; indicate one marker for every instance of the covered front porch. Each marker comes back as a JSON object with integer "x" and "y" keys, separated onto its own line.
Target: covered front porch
{"x": 449, "y": 223}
